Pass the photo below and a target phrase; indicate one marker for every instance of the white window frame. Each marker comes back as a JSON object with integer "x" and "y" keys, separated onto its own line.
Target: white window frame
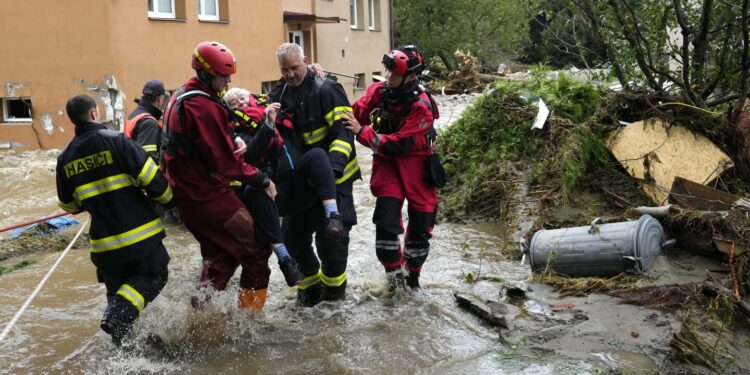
{"x": 202, "y": 10}
{"x": 353, "y": 12}
{"x": 371, "y": 14}
{"x": 295, "y": 34}
{"x": 15, "y": 120}
{"x": 156, "y": 13}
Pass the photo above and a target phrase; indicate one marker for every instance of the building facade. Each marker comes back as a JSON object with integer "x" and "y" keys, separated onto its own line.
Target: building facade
{"x": 109, "y": 48}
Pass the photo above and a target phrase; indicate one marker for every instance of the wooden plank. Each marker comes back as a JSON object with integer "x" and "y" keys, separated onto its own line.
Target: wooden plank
{"x": 699, "y": 197}
{"x": 484, "y": 311}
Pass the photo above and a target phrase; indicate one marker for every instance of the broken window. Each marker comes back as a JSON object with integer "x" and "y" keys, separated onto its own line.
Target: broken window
{"x": 16, "y": 110}
{"x": 208, "y": 10}
{"x": 374, "y": 14}
{"x": 161, "y": 8}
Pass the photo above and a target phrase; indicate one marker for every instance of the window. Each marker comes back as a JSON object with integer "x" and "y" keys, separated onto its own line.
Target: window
{"x": 355, "y": 14}
{"x": 297, "y": 37}
{"x": 208, "y": 10}
{"x": 359, "y": 82}
{"x": 161, "y": 9}
{"x": 374, "y": 14}
{"x": 267, "y": 86}
{"x": 377, "y": 77}
{"x": 16, "y": 110}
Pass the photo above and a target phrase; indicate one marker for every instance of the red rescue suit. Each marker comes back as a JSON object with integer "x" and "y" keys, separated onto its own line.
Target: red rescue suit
{"x": 399, "y": 172}
{"x": 200, "y": 167}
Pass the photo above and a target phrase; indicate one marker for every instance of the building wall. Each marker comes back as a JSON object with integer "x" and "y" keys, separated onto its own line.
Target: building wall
{"x": 49, "y": 53}
{"x": 110, "y": 48}
{"x": 350, "y": 51}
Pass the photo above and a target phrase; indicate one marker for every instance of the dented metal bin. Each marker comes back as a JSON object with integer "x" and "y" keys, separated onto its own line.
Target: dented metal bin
{"x": 599, "y": 249}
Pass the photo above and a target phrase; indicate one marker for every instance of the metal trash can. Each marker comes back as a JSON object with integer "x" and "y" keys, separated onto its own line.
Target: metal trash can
{"x": 599, "y": 249}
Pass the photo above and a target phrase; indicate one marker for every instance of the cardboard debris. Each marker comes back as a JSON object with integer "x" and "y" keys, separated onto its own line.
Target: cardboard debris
{"x": 699, "y": 197}
{"x": 656, "y": 155}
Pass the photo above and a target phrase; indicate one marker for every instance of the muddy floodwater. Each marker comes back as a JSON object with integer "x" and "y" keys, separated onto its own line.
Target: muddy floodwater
{"x": 370, "y": 332}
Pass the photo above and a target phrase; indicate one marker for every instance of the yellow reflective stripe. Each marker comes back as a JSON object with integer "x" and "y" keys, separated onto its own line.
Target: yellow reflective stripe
{"x": 102, "y": 186}
{"x": 341, "y": 146}
{"x": 149, "y": 148}
{"x": 349, "y": 171}
{"x": 333, "y": 281}
{"x": 147, "y": 172}
{"x": 235, "y": 183}
{"x": 315, "y": 136}
{"x": 310, "y": 281}
{"x": 132, "y": 295}
{"x": 72, "y": 206}
{"x": 336, "y": 113}
{"x": 166, "y": 196}
{"x": 128, "y": 238}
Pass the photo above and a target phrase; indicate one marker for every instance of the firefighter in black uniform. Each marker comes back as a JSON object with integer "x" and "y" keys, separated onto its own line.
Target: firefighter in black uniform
{"x": 314, "y": 105}
{"x": 143, "y": 124}
{"x": 105, "y": 173}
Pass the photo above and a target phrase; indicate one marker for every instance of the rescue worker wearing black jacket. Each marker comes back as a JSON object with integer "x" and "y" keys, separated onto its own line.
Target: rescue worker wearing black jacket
{"x": 105, "y": 173}
{"x": 143, "y": 124}
{"x": 314, "y": 105}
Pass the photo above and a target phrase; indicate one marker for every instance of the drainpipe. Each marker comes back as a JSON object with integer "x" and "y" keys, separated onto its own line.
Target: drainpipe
{"x": 390, "y": 21}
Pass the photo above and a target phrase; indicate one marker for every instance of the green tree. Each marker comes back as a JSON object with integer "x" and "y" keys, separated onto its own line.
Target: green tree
{"x": 486, "y": 28}
{"x": 558, "y": 37}
{"x": 694, "y": 51}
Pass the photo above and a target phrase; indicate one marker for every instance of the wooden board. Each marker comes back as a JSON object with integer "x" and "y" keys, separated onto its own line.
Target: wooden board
{"x": 656, "y": 155}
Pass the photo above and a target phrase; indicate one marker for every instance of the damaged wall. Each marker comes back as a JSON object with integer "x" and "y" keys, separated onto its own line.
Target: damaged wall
{"x": 111, "y": 51}
{"x": 43, "y": 49}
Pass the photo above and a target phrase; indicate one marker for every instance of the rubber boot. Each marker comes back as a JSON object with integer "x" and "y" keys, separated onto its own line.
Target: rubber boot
{"x": 395, "y": 278}
{"x": 412, "y": 280}
{"x": 118, "y": 319}
{"x": 252, "y": 299}
{"x": 333, "y": 293}
{"x": 309, "y": 296}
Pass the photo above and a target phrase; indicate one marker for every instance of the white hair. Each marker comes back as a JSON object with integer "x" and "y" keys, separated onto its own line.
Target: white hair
{"x": 289, "y": 50}
{"x": 234, "y": 94}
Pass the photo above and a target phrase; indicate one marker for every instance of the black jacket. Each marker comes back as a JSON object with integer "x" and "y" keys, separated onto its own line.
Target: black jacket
{"x": 315, "y": 108}
{"x": 106, "y": 174}
{"x": 147, "y": 131}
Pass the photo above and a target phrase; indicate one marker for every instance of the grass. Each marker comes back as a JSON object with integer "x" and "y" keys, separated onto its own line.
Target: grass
{"x": 17, "y": 266}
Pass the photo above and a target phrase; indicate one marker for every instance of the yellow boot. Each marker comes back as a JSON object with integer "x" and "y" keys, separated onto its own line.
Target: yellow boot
{"x": 252, "y": 299}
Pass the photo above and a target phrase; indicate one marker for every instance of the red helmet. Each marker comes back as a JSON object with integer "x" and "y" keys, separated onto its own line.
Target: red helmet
{"x": 214, "y": 58}
{"x": 404, "y": 60}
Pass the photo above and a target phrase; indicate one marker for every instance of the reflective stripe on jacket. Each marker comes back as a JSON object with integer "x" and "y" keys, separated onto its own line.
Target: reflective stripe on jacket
{"x": 106, "y": 174}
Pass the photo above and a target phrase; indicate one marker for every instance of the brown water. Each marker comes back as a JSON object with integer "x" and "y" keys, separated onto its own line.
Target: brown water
{"x": 370, "y": 332}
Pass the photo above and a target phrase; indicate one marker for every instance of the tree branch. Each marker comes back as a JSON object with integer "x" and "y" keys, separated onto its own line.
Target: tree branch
{"x": 700, "y": 44}
{"x": 745, "y": 49}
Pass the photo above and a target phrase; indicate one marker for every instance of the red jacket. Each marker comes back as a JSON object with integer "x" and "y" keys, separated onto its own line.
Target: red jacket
{"x": 207, "y": 171}
{"x": 411, "y": 136}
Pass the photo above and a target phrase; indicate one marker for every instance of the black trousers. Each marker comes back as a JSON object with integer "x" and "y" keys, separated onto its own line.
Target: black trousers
{"x": 133, "y": 285}
{"x": 265, "y": 214}
{"x": 330, "y": 254}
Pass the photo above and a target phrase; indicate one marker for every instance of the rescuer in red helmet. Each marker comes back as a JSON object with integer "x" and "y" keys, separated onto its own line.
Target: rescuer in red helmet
{"x": 200, "y": 155}
{"x": 396, "y": 117}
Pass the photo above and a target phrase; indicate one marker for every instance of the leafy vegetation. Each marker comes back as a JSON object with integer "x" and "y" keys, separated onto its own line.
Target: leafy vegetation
{"x": 17, "y": 266}
{"x": 493, "y": 145}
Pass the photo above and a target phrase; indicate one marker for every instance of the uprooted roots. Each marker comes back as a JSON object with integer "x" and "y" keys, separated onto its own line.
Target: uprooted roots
{"x": 582, "y": 286}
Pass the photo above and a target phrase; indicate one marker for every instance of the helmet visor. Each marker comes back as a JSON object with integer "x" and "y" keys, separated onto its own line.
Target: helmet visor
{"x": 389, "y": 62}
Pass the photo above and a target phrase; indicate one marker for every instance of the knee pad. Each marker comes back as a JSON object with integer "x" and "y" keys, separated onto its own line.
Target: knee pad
{"x": 387, "y": 215}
